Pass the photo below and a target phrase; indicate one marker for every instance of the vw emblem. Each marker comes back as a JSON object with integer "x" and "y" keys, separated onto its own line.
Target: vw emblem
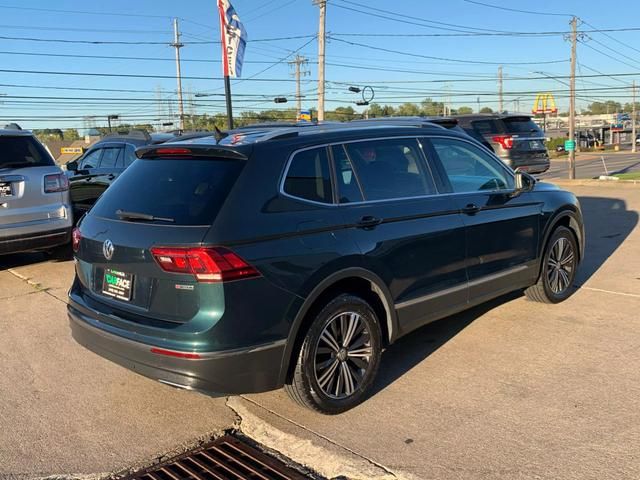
{"x": 107, "y": 249}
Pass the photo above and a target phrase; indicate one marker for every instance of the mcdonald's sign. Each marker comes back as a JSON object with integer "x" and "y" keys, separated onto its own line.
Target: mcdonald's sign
{"x": 544, "y": 103}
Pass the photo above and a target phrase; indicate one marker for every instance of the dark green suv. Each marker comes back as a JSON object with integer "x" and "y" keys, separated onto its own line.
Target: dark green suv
{"x": 293, "y": 256}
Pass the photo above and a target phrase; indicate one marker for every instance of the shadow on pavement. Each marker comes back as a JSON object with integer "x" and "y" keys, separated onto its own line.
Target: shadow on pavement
{"x": 14, "y": 260}
{"x": 607, "y": 224}
{"x": 413, "y": 348}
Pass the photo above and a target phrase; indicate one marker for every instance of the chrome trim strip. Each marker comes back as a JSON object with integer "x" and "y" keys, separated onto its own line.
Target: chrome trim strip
{"x": 473, "y": 283}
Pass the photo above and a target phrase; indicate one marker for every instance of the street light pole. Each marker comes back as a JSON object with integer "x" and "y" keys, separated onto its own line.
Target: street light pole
{"x": 633, "y": 117}
{"x": 321, "y": 44}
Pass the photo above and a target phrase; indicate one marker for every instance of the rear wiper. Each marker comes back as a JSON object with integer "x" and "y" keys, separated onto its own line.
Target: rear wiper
{"x": 122, "y": 215}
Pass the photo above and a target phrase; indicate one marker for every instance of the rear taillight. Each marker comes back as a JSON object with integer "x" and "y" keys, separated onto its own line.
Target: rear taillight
{"x": 214, "y": 264}
{"x": 57, "y": 182}
{"x": 505, "y": 141}
{"x": 76, "y": 236}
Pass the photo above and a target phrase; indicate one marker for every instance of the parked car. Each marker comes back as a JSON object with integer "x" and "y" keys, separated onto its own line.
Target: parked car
{"x": 90, "y": 175}
{"x": 515, "y": 138}
{"x": 35, "y": 211}
{"x": 293, "y": 256}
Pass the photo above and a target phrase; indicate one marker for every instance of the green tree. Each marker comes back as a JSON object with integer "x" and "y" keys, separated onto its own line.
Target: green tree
{"x": 628, "y": 107}
{"x": 342, "y": 114}
{"x": 464, "y": 110}
{"x": 408, "y": 109}
{"x": 71, "y": 134}
{"x": 599, "y": 108}
{"x": 486, "y": 110}
{"x": 431, "y": 108}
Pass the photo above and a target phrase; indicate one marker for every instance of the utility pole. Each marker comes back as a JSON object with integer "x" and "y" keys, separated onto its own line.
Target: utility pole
{"x": 572, "y": 98}
{"x": 298, "y": 63}
{"x": 633, "y": 117}
{"x": 500, "y": 102}
{"x": 321, "y": 44}
{"x": 177, "y": 45}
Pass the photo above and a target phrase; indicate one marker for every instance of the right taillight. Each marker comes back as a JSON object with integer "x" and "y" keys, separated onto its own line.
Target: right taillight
{"x": 76, "y": 236}
{"x": 505, "y": 141}
{"x": 207, "y": 264}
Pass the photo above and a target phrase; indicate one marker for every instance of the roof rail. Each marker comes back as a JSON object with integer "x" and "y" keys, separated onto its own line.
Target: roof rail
{"x": 12, "y": 126}
{"x": 139, "y": 134}
{"x": 277, "y": 134}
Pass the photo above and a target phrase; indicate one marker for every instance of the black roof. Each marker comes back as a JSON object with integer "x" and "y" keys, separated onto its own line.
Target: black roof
{"x": 484, "y": 116}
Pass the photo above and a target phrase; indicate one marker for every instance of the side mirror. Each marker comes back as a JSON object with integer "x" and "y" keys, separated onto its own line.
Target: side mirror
{"x": 524, "y": 183}
{"x": 72, "y": 166}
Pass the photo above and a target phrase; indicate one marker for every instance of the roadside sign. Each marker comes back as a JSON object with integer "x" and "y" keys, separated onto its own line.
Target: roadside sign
{"x": 72, "y": 150}
{"x": 570, "y": 145}
{"x": 304, "y": 116}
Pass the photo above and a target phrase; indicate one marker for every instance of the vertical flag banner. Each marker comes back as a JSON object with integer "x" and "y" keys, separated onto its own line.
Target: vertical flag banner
{"x": 234, "y": 39}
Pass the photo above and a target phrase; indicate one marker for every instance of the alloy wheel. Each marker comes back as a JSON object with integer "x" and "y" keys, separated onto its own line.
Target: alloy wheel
{"x": 560, "y": 265}
{"x": 343, "y": 355}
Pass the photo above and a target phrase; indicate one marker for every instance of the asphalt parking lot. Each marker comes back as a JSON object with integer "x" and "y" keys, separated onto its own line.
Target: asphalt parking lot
{"x": 510, "y": 389}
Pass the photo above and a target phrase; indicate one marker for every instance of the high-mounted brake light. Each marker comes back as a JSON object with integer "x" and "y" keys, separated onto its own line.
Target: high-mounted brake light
{"x": 208, "y": 265}
{"x": 505, "y": 141}
{"x": 56, "y": 182}
{"x": 172, "y": 151}
{"x": 76, "y": 236}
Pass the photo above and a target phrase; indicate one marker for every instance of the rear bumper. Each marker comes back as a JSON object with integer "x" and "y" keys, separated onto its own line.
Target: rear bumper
{"x": 247, "y": 370}
{"x": 35, "y": 241}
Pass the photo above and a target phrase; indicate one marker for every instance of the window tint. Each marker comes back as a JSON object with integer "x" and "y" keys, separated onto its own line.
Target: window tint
{"x": 348, "y": 188}
{"x": 129, "y": 155}
{"x": 189, "y": 191}
{"x": 308, "y": 176}
{"x": 22, "y": 151}
{"x": 390, "y": 168}
{"x": 110, "y": 157}
{"x": 485, "y": 127}
{"x": 521, "y": 125}
{"x": 469, "y": 168}
{"x": 90, "y": 160}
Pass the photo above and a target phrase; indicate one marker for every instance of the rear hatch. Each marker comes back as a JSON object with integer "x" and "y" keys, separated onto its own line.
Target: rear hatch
{"x": 32, "y": 188}
{"x": 527, "y": 141}
{"x": 166, "y": 203}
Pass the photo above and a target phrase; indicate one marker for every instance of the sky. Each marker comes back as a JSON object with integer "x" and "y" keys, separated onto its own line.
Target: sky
{"x": 423, "y": 50}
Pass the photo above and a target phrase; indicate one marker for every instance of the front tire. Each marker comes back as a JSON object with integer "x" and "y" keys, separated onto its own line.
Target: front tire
{"x": 339, "y": 357}
{"x": 559, "y": 265}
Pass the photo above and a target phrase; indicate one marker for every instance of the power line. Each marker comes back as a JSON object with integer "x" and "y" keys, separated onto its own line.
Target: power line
{"x": 531, "y": 12}
{"x": 122, "y": 42}
{"x": 456, "y": 60}
{"x": 609, "y": 36}
{"x": 487, "y": 34}
{"x": 606, "y": 55}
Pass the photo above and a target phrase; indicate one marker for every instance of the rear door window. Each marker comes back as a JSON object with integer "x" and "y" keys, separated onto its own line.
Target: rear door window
{"x": 129, "y": 155}
{"x": 189, "y": 191}
{"x": 23, "y": 151}
{"x": 521, "y": 125}
{"x": 486, "y": 127}
{"x": 348, "y": 186}
{"x": 390, "y": 169}
{"x": 110, "y": 157}
{"x": 308, "y": 176}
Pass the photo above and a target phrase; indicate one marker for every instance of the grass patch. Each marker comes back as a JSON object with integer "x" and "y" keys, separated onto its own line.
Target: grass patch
{"x": 628, "y": 176}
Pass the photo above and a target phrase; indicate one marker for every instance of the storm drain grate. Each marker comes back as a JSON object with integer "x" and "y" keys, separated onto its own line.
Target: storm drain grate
{"x": 226, "y": 458}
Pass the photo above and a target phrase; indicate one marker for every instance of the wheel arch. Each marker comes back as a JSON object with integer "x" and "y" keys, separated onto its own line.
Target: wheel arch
{"x": 355, "y": 280}
{"x": 570, "y": 219}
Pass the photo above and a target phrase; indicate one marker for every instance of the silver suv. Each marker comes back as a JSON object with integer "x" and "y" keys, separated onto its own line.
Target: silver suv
{"x": 35, "y": 211}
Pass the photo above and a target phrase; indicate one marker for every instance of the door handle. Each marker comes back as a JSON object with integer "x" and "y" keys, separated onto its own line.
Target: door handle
{"x": 471, "y": 209}
{"x": 369, "y": 221}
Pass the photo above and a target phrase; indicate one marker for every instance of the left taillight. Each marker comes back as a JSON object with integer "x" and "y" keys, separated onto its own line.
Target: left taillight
{"x": 56, "y": 182}
{"x": 76, "y": 237}
{"x": 505, "y": 141}
{"x": 207, "y": 264}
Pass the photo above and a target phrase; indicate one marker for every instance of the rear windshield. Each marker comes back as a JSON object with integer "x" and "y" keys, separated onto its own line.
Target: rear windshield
{"x": 521, "y": 125}
{"x": 189, "y": 191}
{"x": 20, "y": 152}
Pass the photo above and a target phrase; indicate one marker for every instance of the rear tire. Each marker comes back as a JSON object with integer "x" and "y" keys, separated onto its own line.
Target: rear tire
{"x": 558, "y": 271}
{"x": 339, "y": 358}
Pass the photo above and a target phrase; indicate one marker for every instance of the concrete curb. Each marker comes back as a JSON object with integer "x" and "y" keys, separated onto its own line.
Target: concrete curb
{"x": 318, "y": 454}
{"x": 591, "y": 182}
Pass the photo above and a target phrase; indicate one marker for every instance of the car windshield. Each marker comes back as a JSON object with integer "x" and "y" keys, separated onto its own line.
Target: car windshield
{"x": 22, "y": 151}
